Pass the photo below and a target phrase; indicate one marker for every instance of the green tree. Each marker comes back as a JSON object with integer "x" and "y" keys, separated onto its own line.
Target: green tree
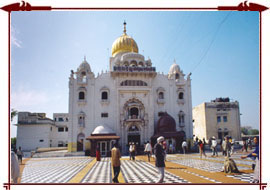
{"x": 13, "y": 142}
{"x": 244, "y": 131}
{"x": 13, "y": 113}
{"x": 253, "y": 132}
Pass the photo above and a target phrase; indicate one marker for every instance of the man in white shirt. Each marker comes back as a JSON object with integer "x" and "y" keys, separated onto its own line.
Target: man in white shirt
{"x": 214, "y": 146}
{"x": 148, "y": 150}
{"x": 184, "y": 146}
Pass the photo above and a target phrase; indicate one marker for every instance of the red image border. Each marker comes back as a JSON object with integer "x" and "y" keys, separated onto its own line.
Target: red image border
{"x": 240, "y": 7}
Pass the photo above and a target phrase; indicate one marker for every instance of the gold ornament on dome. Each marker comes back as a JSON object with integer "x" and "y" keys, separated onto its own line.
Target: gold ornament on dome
{"x": 124, "y": 43}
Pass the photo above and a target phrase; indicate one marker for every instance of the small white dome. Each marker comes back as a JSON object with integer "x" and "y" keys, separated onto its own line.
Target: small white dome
{"x": 102, "y": 130}
{"x": 174, "y": 69}
{"x": 84, "y": 66}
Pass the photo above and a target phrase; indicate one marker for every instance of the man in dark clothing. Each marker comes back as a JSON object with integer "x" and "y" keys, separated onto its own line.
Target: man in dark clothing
{"x": 160, "y": 156}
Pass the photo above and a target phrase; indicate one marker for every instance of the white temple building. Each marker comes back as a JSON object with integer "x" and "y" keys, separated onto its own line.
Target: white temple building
{"x": 130, "y": 103}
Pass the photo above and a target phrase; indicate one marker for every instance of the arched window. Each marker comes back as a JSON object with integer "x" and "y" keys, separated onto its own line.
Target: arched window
{"x": 140, "y": 64}
{"x": 181, "y": 95}
{"x": 81, "y": 96}
{"x": 126, "y": 64}
{"x": 104, "y": 95}
{"x": 83, "y": 73}
{"x": 160, "y": 95}
{"x": 134, "y": 112}
{"x": 220, "y": 133}
{"x": 176, "y": 76}
{"x": 81, "y": 119}
{"x": 181, "y": 118}
{"x": 133, "y": 63}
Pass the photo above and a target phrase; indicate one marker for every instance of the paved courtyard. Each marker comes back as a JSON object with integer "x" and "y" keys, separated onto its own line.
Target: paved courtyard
{"x": 180, "y": 168}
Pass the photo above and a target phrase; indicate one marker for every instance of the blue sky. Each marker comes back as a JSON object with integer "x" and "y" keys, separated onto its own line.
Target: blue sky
{"x": 221, "y": 49}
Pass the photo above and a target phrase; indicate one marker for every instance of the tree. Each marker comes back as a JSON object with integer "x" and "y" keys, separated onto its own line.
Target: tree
{"x": 253, "y": 132}
{"x": 13, "y": 113}
{"x": 13, "y": 142}
{"x": 244, "y": 130}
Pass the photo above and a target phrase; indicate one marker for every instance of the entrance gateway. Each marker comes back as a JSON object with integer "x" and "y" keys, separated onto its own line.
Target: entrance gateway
{"x": 134, "y": 135}
{"x": 103, "y": 148}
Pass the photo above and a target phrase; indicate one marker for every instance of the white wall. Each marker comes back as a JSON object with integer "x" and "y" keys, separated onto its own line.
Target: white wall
{"x": 29, "y": 136}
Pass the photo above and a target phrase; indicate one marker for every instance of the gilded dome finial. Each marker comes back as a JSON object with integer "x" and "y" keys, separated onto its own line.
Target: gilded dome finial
{"x": 124, "y": 43}
{"x": 125, "y": 30}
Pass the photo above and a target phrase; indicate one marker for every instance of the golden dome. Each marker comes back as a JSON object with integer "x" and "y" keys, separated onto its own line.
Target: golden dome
{"x": 124, "y": 44}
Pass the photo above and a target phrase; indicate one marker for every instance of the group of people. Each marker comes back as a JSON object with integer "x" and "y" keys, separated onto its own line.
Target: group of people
{"x": 247, "y": 144}
{"x": 227, "y": 146}
{"x": 160, "y": 155}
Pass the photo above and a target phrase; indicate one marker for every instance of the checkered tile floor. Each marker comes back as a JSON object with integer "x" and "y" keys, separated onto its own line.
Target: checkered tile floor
{"x": 100, "y": 172}
{"x": 206, "y": 165}
{"x": 63, "y": 169}
{"x": 52, "y": 170}
{"x": 243, "y": 177}
{"x": 143, "y": 172}
{"x": 214, "y": 166}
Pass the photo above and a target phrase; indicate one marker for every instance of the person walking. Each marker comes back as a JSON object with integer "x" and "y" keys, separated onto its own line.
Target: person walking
{"x": 201, "y": 149}
{"x": 98, "y": 153}
{"x": 232, "y": 141}
{"x": 148, "y": 150}
{"x": 133, "y": 151}
{"x": 244, "y": 146}
{"x": 184, "y": 146}
{"x": 255, "y": 156}
{"x": 15, "y": 168}
{"x": 116, "y": 155}
{"x": 249, "y": 143}
{"x": 130, "y": 150}
{"x": 227, "y": 147}
{"x": 20, "y": 154}
{"x": 224, "y": 147}
{"x": 160, "y": 158}
{"x": 214, "y": 146}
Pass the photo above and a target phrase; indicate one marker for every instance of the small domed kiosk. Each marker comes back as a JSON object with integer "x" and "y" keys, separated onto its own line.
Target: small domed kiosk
{"x": 166, "y": 127}
{"x": 103, "y": 138}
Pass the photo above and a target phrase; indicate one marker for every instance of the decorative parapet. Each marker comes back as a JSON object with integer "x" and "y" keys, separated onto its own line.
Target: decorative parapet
{"x": 133, "y": 69}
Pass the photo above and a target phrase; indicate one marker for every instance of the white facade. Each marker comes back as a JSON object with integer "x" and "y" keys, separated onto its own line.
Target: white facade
{"x": 35, "y": 130}
{"x": 131, "y": 94}
{"x": 217, "y": 118}
{"x": 59, "y": 135}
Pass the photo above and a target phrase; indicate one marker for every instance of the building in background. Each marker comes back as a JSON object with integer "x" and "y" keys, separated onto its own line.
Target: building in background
{"x": 126, "y": 102}
{"x": 35, "y": 130}
{"x": 218, "y": 118}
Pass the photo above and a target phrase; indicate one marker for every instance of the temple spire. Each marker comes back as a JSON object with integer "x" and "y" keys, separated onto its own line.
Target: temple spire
{"x": 125, "y": 30}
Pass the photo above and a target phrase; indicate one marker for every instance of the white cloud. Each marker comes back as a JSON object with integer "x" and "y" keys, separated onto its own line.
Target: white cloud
{"x": 28, "y": 100}
{"x": 14, "y": 40}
